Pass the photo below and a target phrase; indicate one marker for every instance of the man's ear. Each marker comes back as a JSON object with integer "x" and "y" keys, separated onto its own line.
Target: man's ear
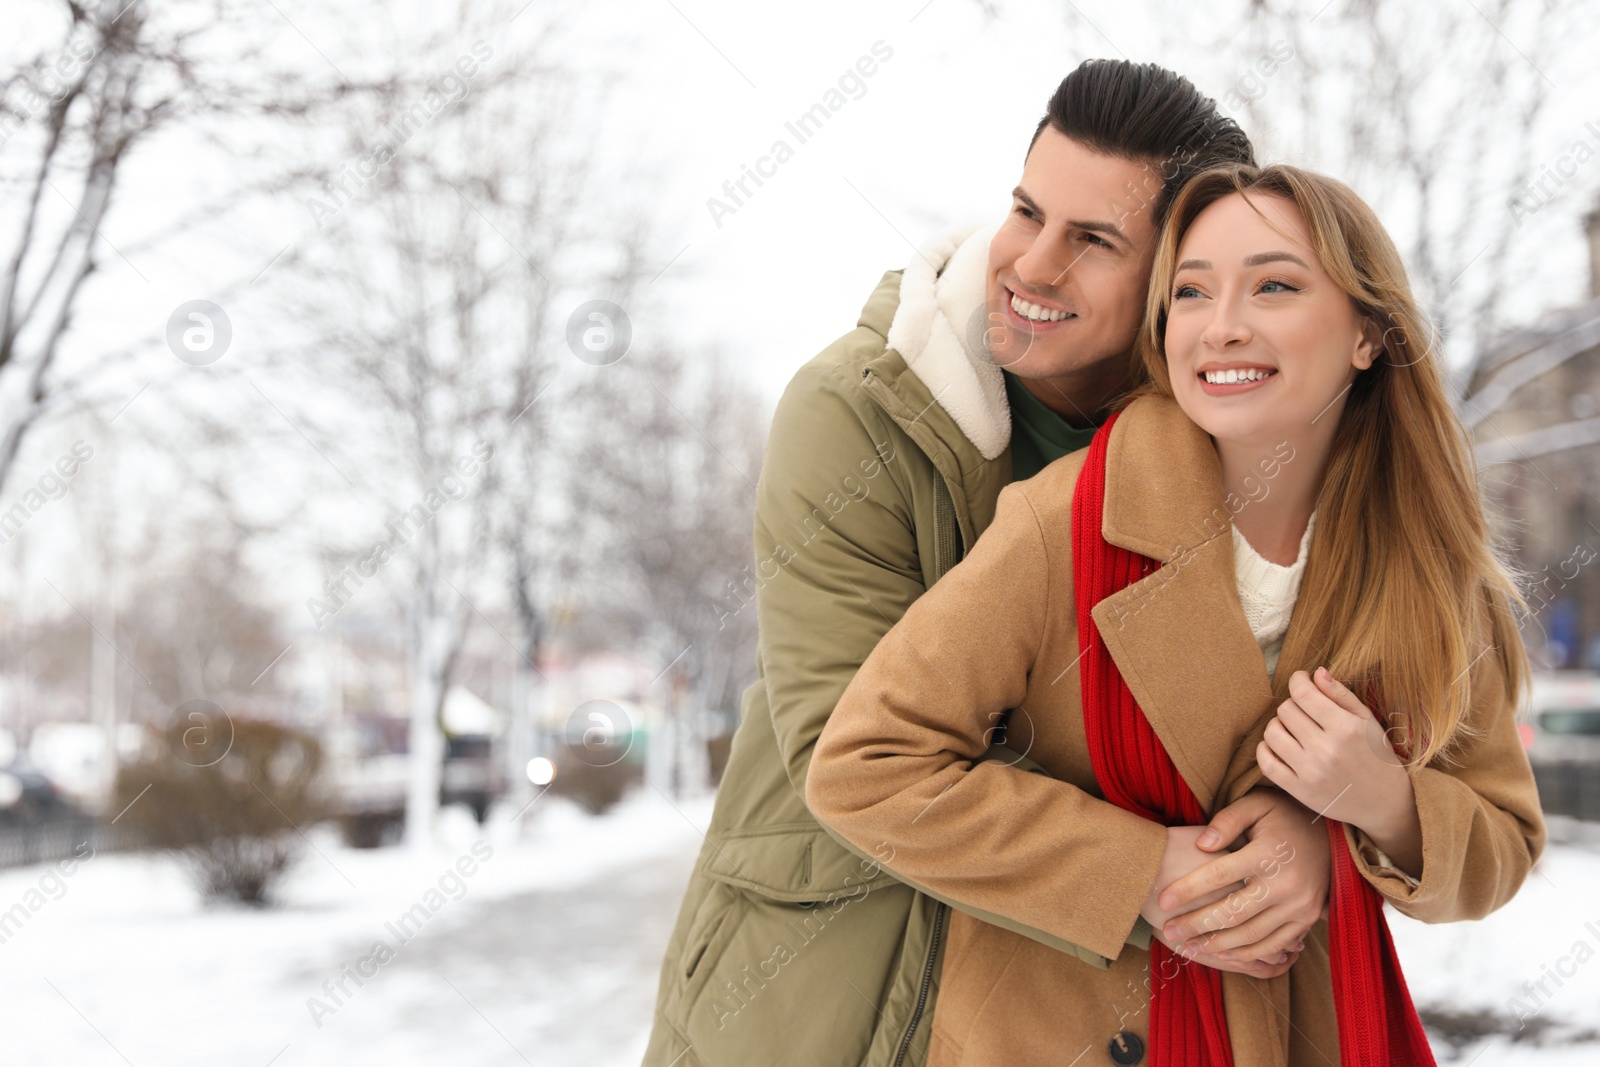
{"x": 1369, "y": 345}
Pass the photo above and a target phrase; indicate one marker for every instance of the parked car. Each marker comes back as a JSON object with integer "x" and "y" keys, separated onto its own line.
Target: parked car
{"x": 1564, "y": 718}
{"x": 471, "y": 774}
{"x": 38, "y": 822}
{"x": 1561, "y": 732}
{"x": 370, "y": 766}
{"x": 28, "y": 796}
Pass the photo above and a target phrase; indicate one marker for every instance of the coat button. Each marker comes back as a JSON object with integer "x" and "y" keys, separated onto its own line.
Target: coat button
{"x": 1126, "y": 1048}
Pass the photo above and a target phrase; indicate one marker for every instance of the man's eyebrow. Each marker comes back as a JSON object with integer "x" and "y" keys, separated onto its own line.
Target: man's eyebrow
{"x": 1249, "y": 261}
{"x": 1092, "y": 225}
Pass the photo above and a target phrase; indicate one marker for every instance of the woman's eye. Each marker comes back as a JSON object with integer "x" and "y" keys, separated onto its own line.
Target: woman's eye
{"x": 1283, "y": 287}
{"x": 1183, "y": 291}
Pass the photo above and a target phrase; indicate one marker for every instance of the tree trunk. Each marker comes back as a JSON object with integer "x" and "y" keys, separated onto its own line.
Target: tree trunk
{"x": 429, "y": 635}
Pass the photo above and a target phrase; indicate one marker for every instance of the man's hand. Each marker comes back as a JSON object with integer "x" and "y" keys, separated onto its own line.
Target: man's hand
{"x": 1182, "y": 857}
{"x": 1284, "y": 867}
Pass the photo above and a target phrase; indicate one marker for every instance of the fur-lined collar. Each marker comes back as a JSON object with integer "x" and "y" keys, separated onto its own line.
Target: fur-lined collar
{"x": 938, "y": 330}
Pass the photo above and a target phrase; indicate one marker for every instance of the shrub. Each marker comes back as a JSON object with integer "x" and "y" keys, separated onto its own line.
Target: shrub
{"x": 237, "y": 818}
{"x": 593, "y": 788}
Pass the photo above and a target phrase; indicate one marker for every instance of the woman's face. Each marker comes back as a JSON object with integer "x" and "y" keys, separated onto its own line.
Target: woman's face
{"x": 1261, "y": 344}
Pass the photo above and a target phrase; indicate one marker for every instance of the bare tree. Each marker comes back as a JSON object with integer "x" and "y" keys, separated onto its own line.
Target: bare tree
{"x": 542, "y": 474}
{"x": 117, "y": 77}
{"x": 194, "y": 653}
{"x": 667, "y": 498}
{"x": 536, "y": 561}
{"x": 1437, "y": 112}
{"x": 433, "y": 291}
{"x": 96, "y": 95}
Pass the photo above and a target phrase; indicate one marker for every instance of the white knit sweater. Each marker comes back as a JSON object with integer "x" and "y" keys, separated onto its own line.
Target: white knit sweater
{"x": 1267, "y": 591}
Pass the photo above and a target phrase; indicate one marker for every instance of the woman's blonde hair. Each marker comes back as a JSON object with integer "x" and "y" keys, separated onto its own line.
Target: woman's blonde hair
{"x": 1402, "y": 566}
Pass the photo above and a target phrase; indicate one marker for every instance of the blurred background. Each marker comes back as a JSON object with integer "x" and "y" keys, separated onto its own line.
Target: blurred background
{"x": 383, "y": 389}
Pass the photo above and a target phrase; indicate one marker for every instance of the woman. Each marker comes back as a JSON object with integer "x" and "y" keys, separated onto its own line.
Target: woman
{"x": 1291, "y": 502}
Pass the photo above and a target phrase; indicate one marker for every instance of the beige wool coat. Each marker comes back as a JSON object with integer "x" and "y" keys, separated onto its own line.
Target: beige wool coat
{"x": 898, "y": 770}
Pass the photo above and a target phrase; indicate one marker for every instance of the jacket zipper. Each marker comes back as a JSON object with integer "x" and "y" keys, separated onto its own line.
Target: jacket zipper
{"x": 927, "y": 980}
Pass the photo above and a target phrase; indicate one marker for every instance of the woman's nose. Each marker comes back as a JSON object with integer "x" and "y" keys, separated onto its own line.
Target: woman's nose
{"x": 1226, "y": 327}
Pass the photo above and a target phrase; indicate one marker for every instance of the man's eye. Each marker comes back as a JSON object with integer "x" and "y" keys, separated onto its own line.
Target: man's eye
{"x": 1094, "y": 238}
{"x": 1024, "y": 212}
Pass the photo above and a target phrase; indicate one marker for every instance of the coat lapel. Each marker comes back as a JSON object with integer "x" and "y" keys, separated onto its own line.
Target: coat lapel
{"x": 1178, "y": 635}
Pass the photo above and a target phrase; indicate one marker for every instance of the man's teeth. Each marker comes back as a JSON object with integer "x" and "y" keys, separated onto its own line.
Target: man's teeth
{"x": 1225, "y": 377}
{"x": 1035, "y": 312}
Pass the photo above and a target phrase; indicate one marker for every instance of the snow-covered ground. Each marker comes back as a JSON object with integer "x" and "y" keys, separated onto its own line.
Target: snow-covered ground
{"x": 1535, "y": 962}
{"x": 547, "y": 953}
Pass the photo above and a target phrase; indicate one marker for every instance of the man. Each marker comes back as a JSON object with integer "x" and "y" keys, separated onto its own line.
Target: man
{"x": 992, "y": 354}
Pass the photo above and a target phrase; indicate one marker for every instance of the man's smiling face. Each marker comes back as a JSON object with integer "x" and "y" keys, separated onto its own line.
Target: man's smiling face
{"x": 1069, "y": 268}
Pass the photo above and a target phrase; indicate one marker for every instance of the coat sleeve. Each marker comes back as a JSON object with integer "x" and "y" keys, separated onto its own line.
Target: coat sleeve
{"x": 836, "y": 555}
{"x": 1482, "y": 828}
{"x": 898, "y": 770}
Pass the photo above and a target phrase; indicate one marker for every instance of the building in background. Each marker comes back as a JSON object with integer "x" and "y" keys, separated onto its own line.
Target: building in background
{"x": 1533, "y": 405}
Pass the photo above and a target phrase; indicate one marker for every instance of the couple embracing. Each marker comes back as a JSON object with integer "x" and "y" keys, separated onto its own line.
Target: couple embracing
{"x": 1129, "y": 777}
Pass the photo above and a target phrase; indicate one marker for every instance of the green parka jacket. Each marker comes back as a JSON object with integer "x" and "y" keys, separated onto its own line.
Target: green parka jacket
{"x": 792, "y": 947}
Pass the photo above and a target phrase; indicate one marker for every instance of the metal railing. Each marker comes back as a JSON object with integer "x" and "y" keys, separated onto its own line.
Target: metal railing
{"x": 58, "y": 839}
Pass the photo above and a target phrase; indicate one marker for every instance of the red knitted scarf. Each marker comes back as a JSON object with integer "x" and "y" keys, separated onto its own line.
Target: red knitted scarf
{"x": 1378, "y": 1027}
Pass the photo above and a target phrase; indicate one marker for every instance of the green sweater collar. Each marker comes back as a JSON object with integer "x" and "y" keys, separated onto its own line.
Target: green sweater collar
{"x": 1038, "y": 435}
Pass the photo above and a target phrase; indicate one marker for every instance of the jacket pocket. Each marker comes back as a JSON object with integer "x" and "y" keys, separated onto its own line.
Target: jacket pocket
{"x": 767, "y": 973}
{"x": 793, "y": 862}
{"x": 714, "y": 926}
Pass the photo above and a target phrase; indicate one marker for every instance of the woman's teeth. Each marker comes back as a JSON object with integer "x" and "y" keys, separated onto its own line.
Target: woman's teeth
{"x": 1035, "y": 313}
{"x": 1225, "y": 377}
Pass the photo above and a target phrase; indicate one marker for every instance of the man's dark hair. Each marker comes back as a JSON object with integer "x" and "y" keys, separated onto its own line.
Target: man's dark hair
{"x": 1146, "y": 113}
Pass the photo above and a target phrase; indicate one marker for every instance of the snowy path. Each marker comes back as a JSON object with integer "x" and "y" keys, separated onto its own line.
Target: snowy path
{"x": 564, "y": 976}
{"x": 549, "y": 956}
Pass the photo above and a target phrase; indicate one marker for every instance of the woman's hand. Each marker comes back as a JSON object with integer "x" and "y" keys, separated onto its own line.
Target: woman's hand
{"x": 1277, "y": 885}
{"x": 1327, "y": 751}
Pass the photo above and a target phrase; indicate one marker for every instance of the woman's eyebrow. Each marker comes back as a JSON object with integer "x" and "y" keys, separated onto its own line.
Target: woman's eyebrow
{"x": 1273, "y": 257}
{"x": 1249, "y": 261}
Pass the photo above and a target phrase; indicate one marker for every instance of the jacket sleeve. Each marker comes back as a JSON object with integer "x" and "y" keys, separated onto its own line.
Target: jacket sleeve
{"x": 836, "y": 555}
{"x": 1482, "y": 828}
{"x": 837, "y": 566}
{"x": 899, "y": 772}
